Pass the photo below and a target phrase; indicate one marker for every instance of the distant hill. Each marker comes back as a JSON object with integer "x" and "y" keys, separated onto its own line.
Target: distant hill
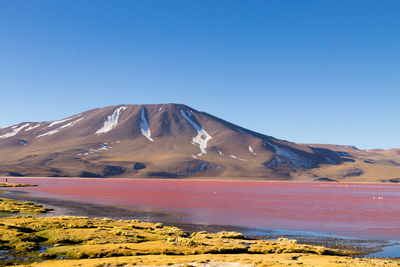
{"x": 176, "y": 141}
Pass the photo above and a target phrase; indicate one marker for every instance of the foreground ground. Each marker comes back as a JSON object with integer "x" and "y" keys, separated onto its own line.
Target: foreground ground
{"x": 286, "y": 259}
{"x": 80, "y": 241}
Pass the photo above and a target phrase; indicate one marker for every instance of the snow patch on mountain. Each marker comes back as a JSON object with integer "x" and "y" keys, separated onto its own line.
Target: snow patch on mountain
{"x": 56, "y": 130}
{"x": 111, "y": 121}
{"x": 64, "y": 120}
{"x": 32, "y": 127}
{"x": 103, "y": 147}
{"x": 202, "y": 136}
{"x": 296, "y": 159}
{"x": 252, "y": 151}
{"x": 234, "y": 157}
{"x": 15, "y": 131}
{"x": 144, "y": 125}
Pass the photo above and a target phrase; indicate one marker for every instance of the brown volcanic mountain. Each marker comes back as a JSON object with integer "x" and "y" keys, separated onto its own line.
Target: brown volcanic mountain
{"x": 165, "y": 140}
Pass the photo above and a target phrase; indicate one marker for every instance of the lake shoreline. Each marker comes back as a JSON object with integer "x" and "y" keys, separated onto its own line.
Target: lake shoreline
{"x": 209, "y": 179}
{"x": 62, "y": 207}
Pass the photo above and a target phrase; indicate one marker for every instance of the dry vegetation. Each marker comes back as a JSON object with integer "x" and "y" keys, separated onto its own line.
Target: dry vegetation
{"x": 15, "y": 185}
{"x": 80, "y": 241}
{"x": 15, "y": 206}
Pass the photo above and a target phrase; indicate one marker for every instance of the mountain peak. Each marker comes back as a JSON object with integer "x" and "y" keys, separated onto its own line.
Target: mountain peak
{"x": 170, "y": 140}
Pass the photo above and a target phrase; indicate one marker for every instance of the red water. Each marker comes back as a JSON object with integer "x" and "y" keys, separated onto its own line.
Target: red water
{"x": 369, "y": 211}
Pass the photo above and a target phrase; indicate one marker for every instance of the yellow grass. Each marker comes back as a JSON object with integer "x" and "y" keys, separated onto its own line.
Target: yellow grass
{"x": 104, "y": 242}
{"x": 15, "y": 206}
{"x": 15, "y": 185}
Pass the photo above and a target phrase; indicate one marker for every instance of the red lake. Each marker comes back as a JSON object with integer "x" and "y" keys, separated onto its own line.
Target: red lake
{"x": 361, "y": 210}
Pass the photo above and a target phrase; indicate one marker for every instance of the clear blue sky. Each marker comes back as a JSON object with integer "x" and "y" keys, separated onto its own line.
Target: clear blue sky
{"x": 305, "y": 71}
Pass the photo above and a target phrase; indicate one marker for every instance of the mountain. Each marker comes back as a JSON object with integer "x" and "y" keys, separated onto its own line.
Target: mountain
{"x": 171, "y": 141}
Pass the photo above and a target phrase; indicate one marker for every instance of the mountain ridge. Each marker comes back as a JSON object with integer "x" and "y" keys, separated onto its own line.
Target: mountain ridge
{"x": 159, "y": 140}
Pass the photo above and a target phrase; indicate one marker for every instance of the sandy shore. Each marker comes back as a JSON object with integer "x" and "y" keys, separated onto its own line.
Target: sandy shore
{"x": 72, "y": 208}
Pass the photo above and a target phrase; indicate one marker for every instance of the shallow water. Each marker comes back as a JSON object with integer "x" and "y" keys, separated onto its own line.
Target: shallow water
{"x": 392, "y": 251}
{"x": 368, "y": 211}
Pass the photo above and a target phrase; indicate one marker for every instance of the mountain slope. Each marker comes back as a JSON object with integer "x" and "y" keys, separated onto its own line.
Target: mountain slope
{"x": 161, "y": 140}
